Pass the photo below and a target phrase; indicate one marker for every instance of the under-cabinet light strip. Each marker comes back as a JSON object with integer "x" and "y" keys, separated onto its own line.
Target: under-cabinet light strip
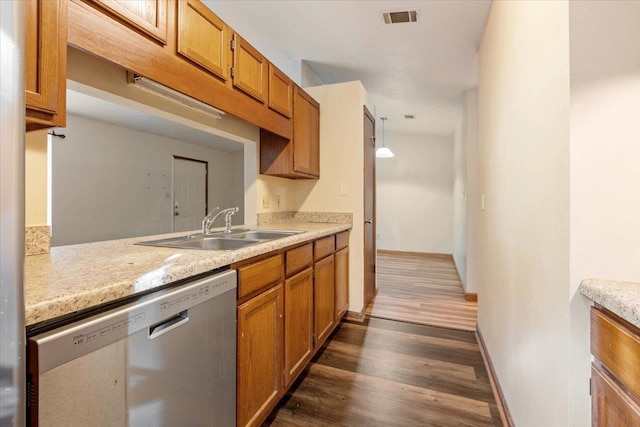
{"x": 160, "y": 89}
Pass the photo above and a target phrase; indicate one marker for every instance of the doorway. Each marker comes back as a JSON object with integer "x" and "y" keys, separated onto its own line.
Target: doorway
{"x": 369, "y": 207}
{"x": 190, "y": 193}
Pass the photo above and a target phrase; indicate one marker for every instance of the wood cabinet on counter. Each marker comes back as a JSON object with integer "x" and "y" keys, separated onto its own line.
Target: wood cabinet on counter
{"x": 299, "y": 157}
{"x": 615, "y": 373}
{"x": 285, "y": 313}
{"x": 45, "y": 63}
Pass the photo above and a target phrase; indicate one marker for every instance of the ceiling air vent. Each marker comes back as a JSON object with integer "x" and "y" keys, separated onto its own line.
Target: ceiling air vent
{"x": 409, "y": 116}
{"x": 398, "y": 17}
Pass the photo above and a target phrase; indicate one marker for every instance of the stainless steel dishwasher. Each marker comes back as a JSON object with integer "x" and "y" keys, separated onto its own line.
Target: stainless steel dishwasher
{"x": 168, "y": 359}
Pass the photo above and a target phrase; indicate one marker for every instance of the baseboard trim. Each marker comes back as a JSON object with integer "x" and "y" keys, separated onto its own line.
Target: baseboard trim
{"x": 422, "y": 254}
{"x": 470, "y": 296}
{"x": 355, "y": 316}
{"x": 505, "y": 415}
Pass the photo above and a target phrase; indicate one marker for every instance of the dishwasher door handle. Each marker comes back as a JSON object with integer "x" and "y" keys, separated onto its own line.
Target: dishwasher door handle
{"x": 166, "y": 325}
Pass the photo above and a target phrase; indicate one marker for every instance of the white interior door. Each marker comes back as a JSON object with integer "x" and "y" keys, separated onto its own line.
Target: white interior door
{"x": 189, "y": 194}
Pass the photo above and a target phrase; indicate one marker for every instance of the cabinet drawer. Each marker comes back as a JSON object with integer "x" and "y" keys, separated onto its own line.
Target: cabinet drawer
{"x": 342, "y": 240}
{"x": 259, "y": 275}
{"x": 298, "y": 259}
{"x": 617, "y": 347}
{"x": 324, "y": 247}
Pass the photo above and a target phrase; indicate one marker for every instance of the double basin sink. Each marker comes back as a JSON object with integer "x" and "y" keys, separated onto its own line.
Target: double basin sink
{"x": 236, "y": 239}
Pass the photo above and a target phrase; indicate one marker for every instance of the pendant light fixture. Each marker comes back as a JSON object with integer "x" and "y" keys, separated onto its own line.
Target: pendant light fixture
{"x": 383, "y": 152}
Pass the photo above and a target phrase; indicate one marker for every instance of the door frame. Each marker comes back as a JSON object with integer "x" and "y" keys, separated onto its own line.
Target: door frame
{"x": 173, "y": 185}
{"x": 368, "y": 114}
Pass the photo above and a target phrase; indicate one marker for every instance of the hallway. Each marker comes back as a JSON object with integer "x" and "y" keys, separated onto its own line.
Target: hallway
{"x": 422, "y": 289}
{"x": 387, "y": 373}
{"x": 393, "y": 369}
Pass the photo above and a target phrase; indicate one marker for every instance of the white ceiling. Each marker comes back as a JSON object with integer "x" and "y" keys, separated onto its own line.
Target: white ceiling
{"x": 99, "y": 109}
{"x": 418, "y": 68}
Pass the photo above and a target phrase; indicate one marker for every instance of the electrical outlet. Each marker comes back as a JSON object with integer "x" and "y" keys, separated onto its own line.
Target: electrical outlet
{"x": 278, "y": 201}
{"x": 265, "y": 202}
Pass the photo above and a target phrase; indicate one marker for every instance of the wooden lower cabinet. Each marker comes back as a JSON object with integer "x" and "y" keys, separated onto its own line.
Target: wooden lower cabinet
{"x": 323, "y": 304}
{"x": 298, "y": 329}
{"x": 287, "y": 308}
{"x": 615, "y": 374}
{"x": 260, "y": 343}
{"x": 611, "y": 406}
{"x": 341, "y": 283}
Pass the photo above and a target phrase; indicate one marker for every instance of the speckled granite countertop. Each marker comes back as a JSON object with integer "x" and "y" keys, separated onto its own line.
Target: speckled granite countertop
{"x": 621, "y": 298}
{"x": 77, "y": 277}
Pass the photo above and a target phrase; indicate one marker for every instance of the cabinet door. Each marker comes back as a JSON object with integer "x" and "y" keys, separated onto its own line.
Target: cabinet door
{"x": 323, "y": 301}
{"x": 249, "y": 69}
{"x": 45, "y": 62}
{"x": 610, "y": 405}
{"x": 260, "y": 342}
{"x": 298, "y": 324}
{"x": 280, "y": 92}
{"x": 342, "y": 283}
{"x": 306, "y": 134}
{"x": 146, "y": 16}
{"x": 203, "y": 37}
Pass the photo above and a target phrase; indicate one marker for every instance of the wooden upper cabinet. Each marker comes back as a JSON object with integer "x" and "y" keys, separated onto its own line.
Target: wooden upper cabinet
{"x": 306, "y": 134}
{"x": 280, "y": 92}
{"x": 45, "y": 63}
{"x": 299, "y": 157}
{"x": 249, "y": 70}
{"x": 145, "y": 16}
{"x": 203, "y": 37}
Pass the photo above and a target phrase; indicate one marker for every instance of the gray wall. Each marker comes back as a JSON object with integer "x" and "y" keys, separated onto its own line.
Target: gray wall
{"x": 110, "y": 182}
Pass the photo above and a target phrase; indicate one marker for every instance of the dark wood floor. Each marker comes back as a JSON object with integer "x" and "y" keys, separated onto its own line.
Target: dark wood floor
{"x": 388, "y": 373}
{"x": 422, "y": 289}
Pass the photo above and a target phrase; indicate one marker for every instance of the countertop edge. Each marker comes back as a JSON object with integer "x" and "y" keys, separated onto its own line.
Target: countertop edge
{"x": 621, "y": 298}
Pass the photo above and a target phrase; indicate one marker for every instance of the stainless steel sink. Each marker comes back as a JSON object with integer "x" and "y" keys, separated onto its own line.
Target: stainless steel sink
{"x": 220, "y": 242}
{"x": 263, "y": 234}
{"x": 202, "y": 242}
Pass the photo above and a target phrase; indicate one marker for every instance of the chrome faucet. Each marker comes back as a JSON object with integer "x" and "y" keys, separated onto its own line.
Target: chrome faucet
{"x": 207, "y": 222}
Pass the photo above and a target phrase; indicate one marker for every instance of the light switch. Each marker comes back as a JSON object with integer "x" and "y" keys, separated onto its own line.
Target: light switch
{"x": 482, "y": 202}
{"x": 344, "y": 189}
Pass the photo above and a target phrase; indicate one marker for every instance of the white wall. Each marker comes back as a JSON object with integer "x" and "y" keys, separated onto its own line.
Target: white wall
{"x": 460, "y": 195}
{"x": 415, "y": 194}
{"x": 604, "y": 165}
{"x": 35, "y": 186}
{"x": 472, "y": 196}
{"x": 111, "y": 182}
{"x": 523, "y": 134}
